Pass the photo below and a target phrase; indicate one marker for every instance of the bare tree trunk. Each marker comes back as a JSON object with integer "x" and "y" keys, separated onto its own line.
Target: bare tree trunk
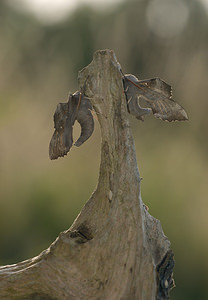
{"x": 115, "y": 249}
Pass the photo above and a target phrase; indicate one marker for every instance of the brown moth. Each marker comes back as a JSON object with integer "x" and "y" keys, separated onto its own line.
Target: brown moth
{"x": 158, "y": 96}
{"x": 85, "y": 119}
{"x": 77, "y": 108}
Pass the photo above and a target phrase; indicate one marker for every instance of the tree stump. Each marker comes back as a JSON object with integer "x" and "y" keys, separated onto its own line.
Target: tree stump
{"x": 115, "y": 249}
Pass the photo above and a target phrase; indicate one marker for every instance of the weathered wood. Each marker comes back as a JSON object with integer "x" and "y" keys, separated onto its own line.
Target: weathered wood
{"x": 115, "y": 249}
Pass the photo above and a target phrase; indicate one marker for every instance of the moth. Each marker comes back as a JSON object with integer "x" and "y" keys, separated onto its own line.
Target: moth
{"x": 157, "y": 95}
{"x": 78, "y": 108}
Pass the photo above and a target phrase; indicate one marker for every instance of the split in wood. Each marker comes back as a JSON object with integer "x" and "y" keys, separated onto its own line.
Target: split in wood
{"x": 165, "y": 276}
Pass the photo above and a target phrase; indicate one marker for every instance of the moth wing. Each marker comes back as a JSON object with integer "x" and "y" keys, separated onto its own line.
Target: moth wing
{"x": 158, "y": 95}
{"x": 168, "y": 110}
{"x": 61, "y": 140}
{"x": 85, "y": 119}
{"x": 158, "y": 85}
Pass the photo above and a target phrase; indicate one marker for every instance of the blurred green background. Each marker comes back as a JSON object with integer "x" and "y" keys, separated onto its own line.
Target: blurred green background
{"x": 39, "y": 62}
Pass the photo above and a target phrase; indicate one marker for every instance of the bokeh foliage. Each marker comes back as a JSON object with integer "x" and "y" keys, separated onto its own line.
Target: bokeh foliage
{"x": 39, "y": 66}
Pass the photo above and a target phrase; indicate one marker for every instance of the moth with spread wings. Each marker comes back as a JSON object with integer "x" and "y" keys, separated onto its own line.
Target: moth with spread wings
{"x": 158, "y": 96}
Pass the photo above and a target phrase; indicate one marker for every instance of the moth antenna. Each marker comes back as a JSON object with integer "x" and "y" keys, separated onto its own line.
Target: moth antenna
{"x": 139, "y": 87}
{"x": 82, "y": 91}
{"x": 80, "y": 99}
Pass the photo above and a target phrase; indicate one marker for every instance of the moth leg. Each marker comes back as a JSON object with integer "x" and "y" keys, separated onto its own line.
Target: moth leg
{"x": 129, "y": 100}
{"x": 126, "y": 90}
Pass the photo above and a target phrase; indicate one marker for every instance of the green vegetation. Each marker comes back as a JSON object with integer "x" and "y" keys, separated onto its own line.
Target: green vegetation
{"x": 38, "y": 67}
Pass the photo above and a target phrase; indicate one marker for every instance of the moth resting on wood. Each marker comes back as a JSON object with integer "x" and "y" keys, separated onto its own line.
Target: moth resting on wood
{"x": 77, "y": 108}
{"x": 157, "y": 94}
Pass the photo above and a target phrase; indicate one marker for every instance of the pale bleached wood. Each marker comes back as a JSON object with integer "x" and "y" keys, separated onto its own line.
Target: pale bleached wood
{"x": 115, "y": 249}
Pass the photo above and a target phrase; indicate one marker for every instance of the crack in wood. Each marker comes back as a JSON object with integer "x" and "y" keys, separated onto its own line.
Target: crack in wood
{"x": 165, "y": 276}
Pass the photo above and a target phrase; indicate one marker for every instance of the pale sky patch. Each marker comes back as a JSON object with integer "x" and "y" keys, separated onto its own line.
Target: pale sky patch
{"x": 50, "y": 11}
{"x": 167, "y": 18}
{"x": 205, "y": 2}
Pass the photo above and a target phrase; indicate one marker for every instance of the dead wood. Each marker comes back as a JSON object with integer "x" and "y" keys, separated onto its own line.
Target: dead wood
{"x": 115, "y": 249}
